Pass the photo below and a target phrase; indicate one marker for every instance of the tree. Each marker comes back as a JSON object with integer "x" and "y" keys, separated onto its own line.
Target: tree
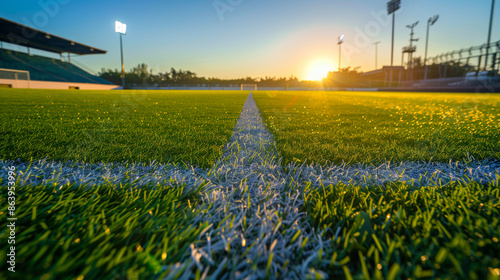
{"x": 140, "y": 75}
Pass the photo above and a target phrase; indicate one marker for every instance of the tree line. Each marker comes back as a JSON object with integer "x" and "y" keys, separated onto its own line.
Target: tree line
{"x": 142, "y": 76}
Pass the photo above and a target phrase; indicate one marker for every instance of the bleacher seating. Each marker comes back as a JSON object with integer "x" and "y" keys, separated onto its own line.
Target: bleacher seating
{"x": 47, "y": 69}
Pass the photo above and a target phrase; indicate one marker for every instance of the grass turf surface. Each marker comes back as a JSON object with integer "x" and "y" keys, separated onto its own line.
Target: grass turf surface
{"x": 401, "y": 232}
{"x": 103, "y": 232}
{"x": 116, "y": 126}
{"x": 394, "y": 231}
{"x": 378, "y": 127}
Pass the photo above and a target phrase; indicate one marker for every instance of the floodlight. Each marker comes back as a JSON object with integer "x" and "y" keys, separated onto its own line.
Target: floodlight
{"x": 341, "y": 39}
{"x": 430, "y": 22}
{"x": 410, "y": 50}
{"x": 392, "y": 7}
{"x": 120, "y": 27}
{"x": 433, "y": 19}
{"x": 412, "y": 26}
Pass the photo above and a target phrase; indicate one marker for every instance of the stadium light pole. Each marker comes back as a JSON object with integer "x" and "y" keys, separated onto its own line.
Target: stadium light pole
{"x": 489, "y": 36}
{"x": 392, "y": 7}
{"x": 430, "y": 22}
{"x": 122, "y": 29}
{"x": 341, "y": 40}
{"x": 376, "y": 54}
{"x": 410, "y": 50}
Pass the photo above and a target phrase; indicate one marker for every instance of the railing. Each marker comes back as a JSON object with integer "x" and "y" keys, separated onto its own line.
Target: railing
{"x": 84, "y": 67}
{"x": 459, "y": 82}
{"x": 469, "y": 56}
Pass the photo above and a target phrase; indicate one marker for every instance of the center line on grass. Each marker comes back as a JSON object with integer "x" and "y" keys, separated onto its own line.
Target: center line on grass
{"x": 253, "y": 211}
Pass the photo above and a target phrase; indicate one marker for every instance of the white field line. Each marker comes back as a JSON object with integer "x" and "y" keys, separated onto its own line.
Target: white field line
{"x": 259, "y": 217}
{"x": 259, "y": 198}
{"x": 45, "y": 172}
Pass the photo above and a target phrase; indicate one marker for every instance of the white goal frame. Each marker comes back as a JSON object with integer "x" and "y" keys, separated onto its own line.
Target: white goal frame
{"x": 16, "y": 76}
{"x": 249, "y": 85}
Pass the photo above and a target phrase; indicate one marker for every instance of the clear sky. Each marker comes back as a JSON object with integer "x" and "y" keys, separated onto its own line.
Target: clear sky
{"x": 257, "y": 38}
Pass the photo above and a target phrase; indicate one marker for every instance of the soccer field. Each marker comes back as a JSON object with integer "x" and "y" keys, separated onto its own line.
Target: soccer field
{"x": 222, "y": 201}
{"x": 373, "y": 127}
{"x": 193, "y": 127}
{"x": 115, "y": 126}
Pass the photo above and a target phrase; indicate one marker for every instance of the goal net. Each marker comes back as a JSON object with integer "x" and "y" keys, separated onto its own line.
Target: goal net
{"x": 14, "y": 78}
{"x": 249, "y": 87}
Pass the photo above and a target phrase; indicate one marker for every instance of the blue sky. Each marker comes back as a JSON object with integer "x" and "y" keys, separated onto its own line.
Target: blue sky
{"x": 237, "y": 38}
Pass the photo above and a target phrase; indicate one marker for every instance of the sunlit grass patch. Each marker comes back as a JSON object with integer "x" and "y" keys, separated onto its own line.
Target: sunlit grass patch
{"x": 103, "y": 232}
{"x": 379, "y": 127}
{"x": 115, "y": 126}
{"x": 398, "y": 231}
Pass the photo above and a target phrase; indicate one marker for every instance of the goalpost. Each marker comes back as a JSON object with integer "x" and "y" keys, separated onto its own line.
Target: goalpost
{"x": 253, "y": 86}
{"x": 21, "y": 78}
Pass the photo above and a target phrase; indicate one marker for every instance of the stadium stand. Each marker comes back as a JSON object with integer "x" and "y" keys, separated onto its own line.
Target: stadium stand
{"x": 46, "y": 72}
{"x": 47, "y": 69}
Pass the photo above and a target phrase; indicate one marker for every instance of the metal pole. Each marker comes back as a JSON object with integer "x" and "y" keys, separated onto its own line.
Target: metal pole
{"x": 392, "y": 47}
{"x": 411, "y": 50}
{"x": 376, "y": 54}
{"x": 340, "y": 57}
{"x": 426, "y": 46}
{"x": 123, "y": 66}
{"x": 489, "y": 34}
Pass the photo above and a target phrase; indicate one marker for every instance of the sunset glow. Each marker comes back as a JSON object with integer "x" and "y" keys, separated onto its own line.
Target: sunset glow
{"x": 318, "y": 70}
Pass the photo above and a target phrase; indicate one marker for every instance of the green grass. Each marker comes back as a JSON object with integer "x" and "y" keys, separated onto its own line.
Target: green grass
{"x": 402, "y": 232}
{"x": 395, "y": 231}
{"x": 103, "y": 232}
{"x": 116, "y": 126}
{"x": 379, "y": 127}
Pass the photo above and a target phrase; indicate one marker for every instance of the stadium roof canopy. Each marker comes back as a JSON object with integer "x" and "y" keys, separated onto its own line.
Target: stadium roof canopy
{"x": 23, "y": 35}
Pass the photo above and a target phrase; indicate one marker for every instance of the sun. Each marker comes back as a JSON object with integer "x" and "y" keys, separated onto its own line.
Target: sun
{"x": 318, "y": 70}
